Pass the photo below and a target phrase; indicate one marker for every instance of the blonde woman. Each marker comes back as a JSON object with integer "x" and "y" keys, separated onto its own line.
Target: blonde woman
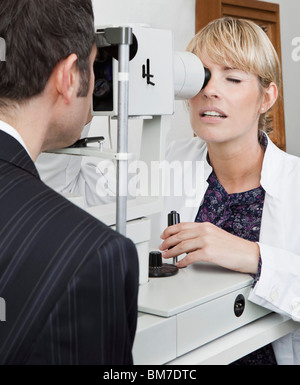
{"x": 247, "y": 219}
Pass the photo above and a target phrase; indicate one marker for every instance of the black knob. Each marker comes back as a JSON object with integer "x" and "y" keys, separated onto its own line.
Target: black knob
{"x": 159, "y": 269}
{"x": 155, "y": 259}
{"x": 173, "y": 218}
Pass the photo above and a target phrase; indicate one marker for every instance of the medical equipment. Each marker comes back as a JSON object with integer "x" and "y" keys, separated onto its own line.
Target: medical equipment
{"x": 138, "y": 74}
{"x": 144, "y": 58}
{"x": 157, "y": 76}
{"x": 159, "y": 269}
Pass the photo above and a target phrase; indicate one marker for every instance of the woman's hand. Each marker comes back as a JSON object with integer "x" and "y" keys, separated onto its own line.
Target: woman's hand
{"x": 206, "y": 242}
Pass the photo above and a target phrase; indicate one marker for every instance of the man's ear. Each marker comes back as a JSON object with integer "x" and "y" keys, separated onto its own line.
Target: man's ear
{"x": 67, "y": 77}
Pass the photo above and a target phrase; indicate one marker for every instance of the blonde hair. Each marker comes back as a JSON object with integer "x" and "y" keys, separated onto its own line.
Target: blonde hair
{"x": 243, "y": 45}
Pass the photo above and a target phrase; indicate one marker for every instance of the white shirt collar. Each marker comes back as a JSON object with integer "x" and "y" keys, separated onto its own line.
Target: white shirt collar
{"x": 14, "y": 133}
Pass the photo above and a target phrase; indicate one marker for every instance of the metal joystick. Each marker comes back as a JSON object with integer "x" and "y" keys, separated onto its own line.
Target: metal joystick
{"x": 159, "y": 269}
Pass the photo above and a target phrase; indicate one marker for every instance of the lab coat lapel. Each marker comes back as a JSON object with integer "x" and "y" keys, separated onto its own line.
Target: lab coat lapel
{"x": 192, "y": 202}
{"x": 272, "y": 225}
{"x": 272, "y": 228}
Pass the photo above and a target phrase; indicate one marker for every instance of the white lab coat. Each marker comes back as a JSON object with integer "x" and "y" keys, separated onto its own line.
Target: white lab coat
{"x": 278, "y": 288}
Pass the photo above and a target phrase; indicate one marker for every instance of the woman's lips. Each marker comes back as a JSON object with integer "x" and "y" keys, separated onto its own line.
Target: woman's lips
{"x": 212, "y": 114}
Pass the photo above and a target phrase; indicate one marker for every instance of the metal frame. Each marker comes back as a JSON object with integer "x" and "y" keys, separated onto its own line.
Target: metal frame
{"x": 123, "y": 38}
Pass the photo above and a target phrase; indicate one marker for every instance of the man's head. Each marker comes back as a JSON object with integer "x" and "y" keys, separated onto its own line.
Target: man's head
{"x": 38, "y": 35}
{"x": 47, "y": 80}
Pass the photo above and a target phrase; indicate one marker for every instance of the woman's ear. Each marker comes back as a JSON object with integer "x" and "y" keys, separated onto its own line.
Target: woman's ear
{"x": 270, "y": 97}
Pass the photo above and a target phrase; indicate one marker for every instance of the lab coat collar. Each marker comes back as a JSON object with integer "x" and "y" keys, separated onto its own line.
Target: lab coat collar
{"x": 272, "y": 169}
{"x": 207, "y": 167}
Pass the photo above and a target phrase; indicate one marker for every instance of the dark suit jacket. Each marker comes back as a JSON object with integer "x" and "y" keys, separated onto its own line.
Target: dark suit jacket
{"x": 69, "y": 282}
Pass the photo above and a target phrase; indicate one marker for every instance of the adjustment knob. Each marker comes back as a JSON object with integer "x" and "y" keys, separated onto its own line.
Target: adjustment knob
{"x": 155, "y": 259}
{"x": 159, "y": 269}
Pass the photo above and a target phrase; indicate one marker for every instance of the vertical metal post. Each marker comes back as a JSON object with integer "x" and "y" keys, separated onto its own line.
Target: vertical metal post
{"x": 123, "y": 38}
{"x": 122, "y": 165}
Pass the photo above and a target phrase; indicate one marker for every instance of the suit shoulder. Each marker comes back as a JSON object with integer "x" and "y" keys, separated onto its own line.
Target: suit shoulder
{"x": 70, "y": 217}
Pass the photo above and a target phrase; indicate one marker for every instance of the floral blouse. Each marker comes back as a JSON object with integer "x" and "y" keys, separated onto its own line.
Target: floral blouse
{"x": 240, "y": 214}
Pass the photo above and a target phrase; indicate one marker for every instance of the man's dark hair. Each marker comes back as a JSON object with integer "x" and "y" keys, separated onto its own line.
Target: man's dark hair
{"x": 38, "y": 35}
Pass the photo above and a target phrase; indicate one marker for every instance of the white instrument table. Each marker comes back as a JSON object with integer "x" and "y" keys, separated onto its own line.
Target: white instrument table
{"x": 189, "y": 318}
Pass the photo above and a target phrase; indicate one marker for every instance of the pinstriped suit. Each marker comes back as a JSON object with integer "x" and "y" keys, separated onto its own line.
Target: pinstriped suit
{"x": 70, "y": 283}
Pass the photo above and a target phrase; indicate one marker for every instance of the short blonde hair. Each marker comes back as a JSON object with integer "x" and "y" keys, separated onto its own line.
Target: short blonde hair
{"x": 243, "y": 45}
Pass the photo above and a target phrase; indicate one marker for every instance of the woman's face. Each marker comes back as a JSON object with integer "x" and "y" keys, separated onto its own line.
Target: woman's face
{"x": 228, "y": 107}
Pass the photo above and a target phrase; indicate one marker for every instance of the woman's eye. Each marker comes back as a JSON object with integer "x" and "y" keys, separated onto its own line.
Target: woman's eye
{"x": 234, "y": 80}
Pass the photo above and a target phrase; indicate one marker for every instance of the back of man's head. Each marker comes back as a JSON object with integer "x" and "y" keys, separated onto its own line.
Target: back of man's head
{"x": 38, "y": 34}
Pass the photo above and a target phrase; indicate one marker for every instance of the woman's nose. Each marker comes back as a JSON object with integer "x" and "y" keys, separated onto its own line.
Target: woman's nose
{"x": 212, "y": 89}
